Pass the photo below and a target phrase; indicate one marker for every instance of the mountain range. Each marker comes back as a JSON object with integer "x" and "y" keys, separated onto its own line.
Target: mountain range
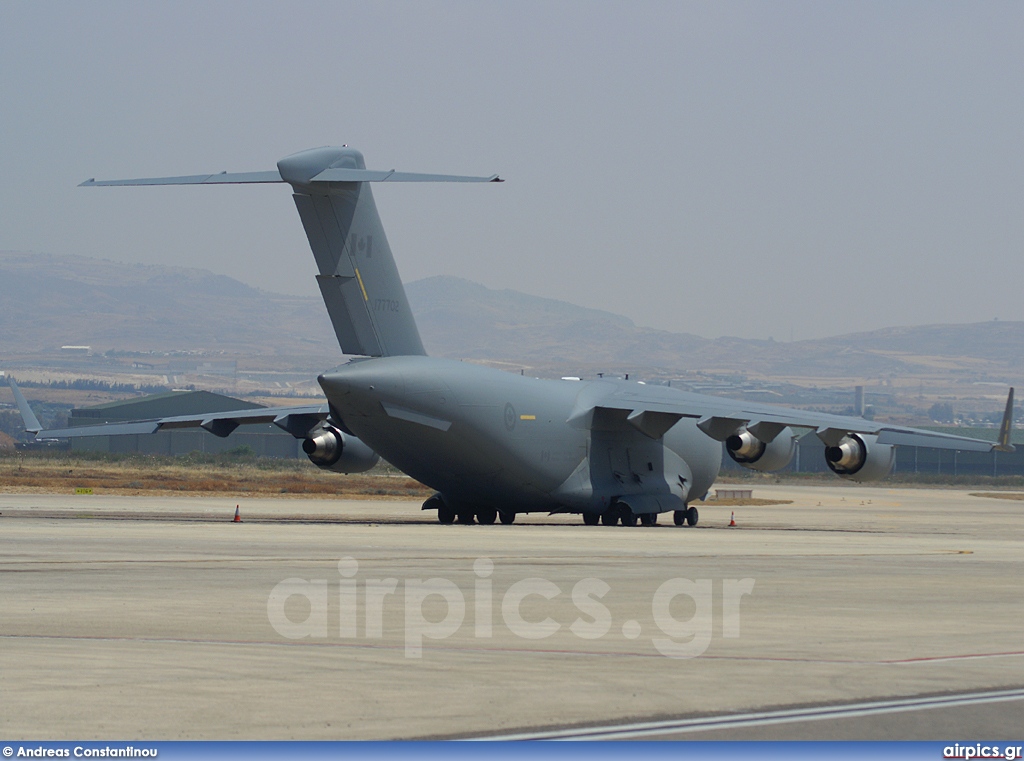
{"x": 48, "y": 301}
{"x": 461, "y": 319}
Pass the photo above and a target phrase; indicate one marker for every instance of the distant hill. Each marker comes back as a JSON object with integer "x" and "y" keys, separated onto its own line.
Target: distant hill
{"x": 47, "y": 301}
{"x": 462, "y": 319}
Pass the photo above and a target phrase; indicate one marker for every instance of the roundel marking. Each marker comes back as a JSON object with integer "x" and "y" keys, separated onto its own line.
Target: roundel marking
{"x": 510, "y": 417}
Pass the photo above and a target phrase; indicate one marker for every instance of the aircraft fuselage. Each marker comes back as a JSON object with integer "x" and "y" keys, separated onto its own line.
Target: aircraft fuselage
{"x": 484, "y": 437}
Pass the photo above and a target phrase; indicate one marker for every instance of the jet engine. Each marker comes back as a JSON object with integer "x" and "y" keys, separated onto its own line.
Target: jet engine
{"x": 331, "y": 449}
{"x": 859, "y": 457}
{"x": 750, "y": 452}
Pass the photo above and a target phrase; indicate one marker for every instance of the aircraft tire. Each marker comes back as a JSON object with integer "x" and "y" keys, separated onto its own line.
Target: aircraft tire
{"x": 591, "y": 519}
{"x": 507, "y": 517}
{"x": 629, "y": 518}
{"x": 610, "y": 517}
{"x": 467, "y": 517}
{"x": 486, "y": 516}
{"x": 445, "y": 514}
{"x": 679, "y": 517}
{"x": 649, "y": 519}
{"x": 692, "y": 516}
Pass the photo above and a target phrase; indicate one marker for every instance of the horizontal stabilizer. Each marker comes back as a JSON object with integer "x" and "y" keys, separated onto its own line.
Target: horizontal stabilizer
{"x": 224, "y": 178}
{"x": 342, "y": 174}
{"x": 357, "y": 275}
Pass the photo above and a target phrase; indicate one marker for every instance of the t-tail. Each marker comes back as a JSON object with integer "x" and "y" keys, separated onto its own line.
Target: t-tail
{"x": 358, "y": 277}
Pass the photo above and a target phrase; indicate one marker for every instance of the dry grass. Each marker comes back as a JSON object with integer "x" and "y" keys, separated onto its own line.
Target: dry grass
{"x": 64, "y": 475}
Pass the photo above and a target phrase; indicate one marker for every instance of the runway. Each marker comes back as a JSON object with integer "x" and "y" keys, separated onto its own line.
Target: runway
{"x": 158, "y": 618}
{"x": 939, "y": 715}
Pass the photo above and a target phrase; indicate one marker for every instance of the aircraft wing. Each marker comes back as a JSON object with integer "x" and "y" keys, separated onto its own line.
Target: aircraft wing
{"x": 652, "y": 411}
{"x": 298, "y": 421}
{"x": 256, "y": 178}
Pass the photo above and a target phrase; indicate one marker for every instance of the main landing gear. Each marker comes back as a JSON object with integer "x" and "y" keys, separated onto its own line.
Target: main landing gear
{"x": 485, "y": 516}
{"x": 617, "y": 514}
{"x": 448, "y": 515}
{"x": 687, "y": 517}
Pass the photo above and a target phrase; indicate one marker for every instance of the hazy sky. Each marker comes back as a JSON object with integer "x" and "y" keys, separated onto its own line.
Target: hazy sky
{"x": 752, "y": 169}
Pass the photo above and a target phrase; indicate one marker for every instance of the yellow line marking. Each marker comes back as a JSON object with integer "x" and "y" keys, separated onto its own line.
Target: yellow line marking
{"x": 361, "y": 286}
{"x": 527, "y": 417}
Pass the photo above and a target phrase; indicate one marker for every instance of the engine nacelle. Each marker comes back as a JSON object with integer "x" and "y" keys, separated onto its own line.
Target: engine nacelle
{"x": 750, "y": 452}
{"x": 331, "y": 449}
{"x": 859, "y": 457}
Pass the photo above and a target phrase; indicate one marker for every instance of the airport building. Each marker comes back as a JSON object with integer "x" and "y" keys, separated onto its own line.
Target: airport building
{"x": 265, "y": 440}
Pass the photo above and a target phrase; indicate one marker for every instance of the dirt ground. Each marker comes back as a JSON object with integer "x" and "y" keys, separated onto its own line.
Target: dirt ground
{"x": 28, "y": 475}
{"x": 167, "y": 476}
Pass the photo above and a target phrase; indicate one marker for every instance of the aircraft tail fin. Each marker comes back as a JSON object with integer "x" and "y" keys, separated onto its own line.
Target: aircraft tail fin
{"x": 28, "y": 417}
{"x": 358, "y": 277}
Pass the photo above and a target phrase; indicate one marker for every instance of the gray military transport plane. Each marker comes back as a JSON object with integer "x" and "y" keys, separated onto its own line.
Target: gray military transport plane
{"x": 491, "y": 443}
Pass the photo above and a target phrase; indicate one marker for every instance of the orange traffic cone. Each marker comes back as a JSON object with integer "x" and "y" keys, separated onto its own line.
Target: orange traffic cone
{"x": 238, "y": 517}
{"x": 732, "y": 518}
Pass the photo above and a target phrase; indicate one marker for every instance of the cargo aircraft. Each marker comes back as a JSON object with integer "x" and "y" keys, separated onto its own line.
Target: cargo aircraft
{"x": 491, "y": 443}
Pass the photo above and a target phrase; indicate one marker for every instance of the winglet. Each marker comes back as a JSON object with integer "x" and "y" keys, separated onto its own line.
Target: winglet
{"x": 27, "y": 416}
{"x": 1006, "y": 427}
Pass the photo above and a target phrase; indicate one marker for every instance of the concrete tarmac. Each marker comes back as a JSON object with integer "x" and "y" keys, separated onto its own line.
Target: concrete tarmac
{"x": 158, "y": 618}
